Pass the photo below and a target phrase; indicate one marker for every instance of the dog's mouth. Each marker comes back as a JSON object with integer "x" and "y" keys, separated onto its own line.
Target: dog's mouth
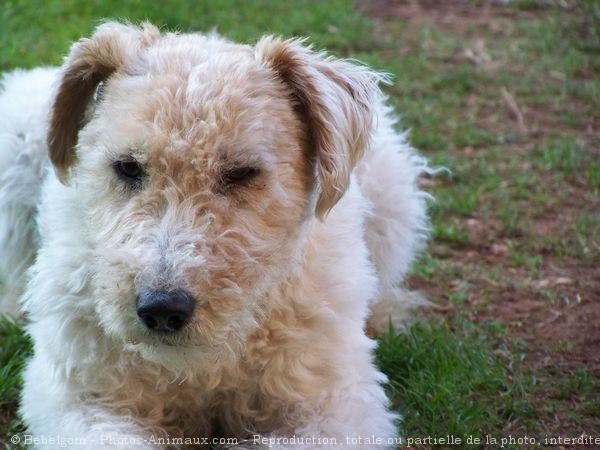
{"x": 183, "y": 339}
{"x": 180, "y": 355}
{"x": 185, "y": 347}
{"x": 135, "y": 342}
{"x": 139, "y": 334}
{"x": 157, "y": 339}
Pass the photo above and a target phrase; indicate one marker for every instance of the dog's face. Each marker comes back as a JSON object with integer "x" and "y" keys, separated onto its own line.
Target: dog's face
{"x": 199, "y": 163}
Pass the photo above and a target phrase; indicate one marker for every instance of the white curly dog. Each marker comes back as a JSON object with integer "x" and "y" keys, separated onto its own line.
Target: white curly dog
{"x": 200, "y": 234}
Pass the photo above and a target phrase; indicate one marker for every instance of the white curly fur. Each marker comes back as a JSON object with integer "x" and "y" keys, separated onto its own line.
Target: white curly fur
{"x": 278, "y": 344}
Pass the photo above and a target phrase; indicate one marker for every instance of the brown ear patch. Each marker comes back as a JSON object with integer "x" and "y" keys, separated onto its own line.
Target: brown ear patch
{"x": 336, "y": 100}
{"x": 67, "y": 117}
{"x": 113, "y": 47}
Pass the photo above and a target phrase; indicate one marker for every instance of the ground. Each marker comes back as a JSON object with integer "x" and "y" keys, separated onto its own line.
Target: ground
{"x": 506, "y": 96}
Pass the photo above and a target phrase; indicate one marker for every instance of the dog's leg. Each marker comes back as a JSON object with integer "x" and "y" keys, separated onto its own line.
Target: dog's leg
{"x": 355, "y": 423}
{"x": 355, "y": 417}
{"x": 329, "y": 391}
{"x": 396, "y": 227}
{"x": 54, "y": 409}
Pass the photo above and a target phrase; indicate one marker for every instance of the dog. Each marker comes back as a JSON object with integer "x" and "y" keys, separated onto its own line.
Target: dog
{"x": 200, "y": 234}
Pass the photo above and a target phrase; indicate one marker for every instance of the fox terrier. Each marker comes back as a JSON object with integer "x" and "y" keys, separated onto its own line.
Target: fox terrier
{"x": 202, "y": 236}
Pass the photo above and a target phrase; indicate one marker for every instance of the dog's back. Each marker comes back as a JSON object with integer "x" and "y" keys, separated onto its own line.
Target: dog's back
{"x": 24, "y": 104}
{"x": 396, "y": 226}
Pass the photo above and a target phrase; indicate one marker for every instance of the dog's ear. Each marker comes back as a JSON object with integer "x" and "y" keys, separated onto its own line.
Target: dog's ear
{"x": 336, "y": 98}
{"x": 112, "y": 48}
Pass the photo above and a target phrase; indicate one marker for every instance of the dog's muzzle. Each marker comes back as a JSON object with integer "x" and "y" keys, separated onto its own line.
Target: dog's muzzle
{"x": 165, "y": 311}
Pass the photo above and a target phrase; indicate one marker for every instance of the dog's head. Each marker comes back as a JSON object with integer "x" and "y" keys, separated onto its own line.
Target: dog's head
{"x": 198, "y": 164}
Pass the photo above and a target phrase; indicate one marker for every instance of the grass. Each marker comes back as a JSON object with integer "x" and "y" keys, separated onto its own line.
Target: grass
{"x": 13, "y": 352}
{"x": 519, "y": 205}
{"x": 442, "y": 383}
{"x": 332, "y": 23}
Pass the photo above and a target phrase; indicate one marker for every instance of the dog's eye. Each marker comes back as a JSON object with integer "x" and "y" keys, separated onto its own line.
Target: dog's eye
{"x": 239, "y": 175}
{"x": 129, "y": 171}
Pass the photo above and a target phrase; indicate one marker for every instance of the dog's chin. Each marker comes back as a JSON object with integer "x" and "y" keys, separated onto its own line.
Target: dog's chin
{"x": 179, "y": 357}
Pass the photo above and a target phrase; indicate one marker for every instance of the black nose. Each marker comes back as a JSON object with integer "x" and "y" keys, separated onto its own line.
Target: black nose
{"x": 165, "y": 311}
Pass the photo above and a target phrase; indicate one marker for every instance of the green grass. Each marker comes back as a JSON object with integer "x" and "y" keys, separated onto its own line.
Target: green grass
{"x": 533, "y": 191}
{"x": 455, "y": 378}
{"x": 443, "y": 383}
{"x": 565, "y": 156}
{"x": 333, "y": 24}
{"x": 14, "y": 348}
